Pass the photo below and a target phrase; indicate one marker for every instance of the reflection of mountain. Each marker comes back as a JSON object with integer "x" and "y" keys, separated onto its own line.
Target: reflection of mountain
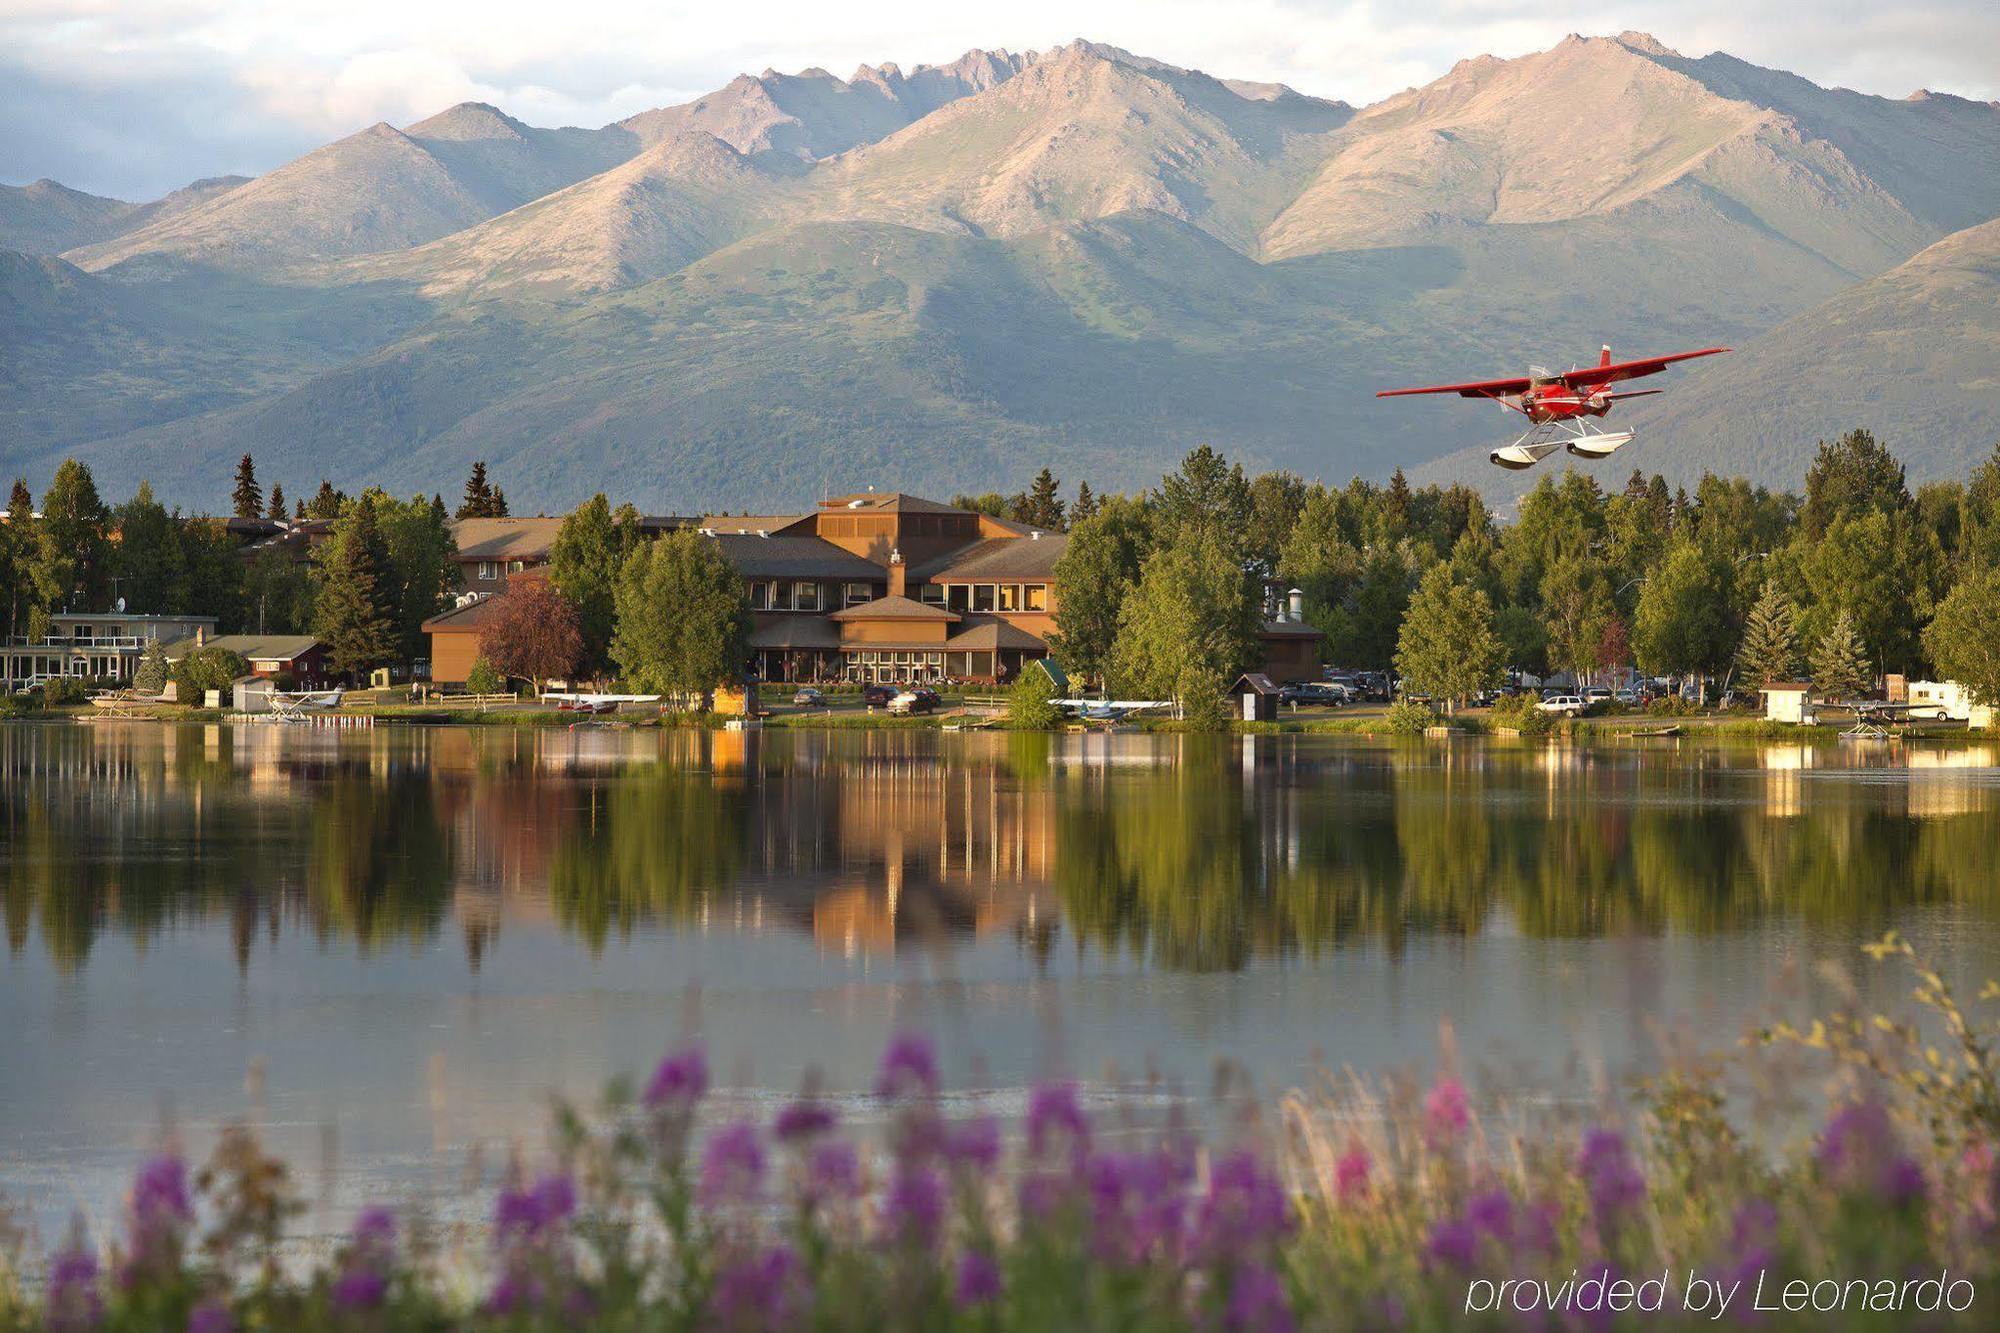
{"x": 1199, "y": 855}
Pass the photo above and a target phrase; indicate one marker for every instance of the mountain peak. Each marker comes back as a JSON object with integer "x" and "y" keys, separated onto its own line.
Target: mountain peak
{"x": 1645, "y": 43}
{"x": 470, "y": 120}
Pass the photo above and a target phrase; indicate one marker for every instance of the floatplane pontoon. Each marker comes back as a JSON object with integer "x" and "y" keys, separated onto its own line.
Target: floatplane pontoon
{"x": 297, "y": 703}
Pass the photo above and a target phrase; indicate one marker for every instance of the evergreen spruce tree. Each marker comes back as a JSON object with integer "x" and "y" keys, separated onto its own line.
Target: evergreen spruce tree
{"x": 1085, "y": 504}
{"x": 298, "y": 509}
{"x": 351, "y": 608}
{"x": 1044, "y": 507}
{"x": 1770, "y": 649}
{"x": 17, "y": 560}
{"x": 1840, "y": 667}
{"x": 277, "y": 509}
{"x": 151, "y": 676}
{"x": 248, "y": 495}
{"x": 482, "y": 498}
{"x": 73, "y": 541}
{"x": 326, "y": 502}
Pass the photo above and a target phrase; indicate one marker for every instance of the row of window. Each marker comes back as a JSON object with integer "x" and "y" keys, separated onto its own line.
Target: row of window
{"x": 799, "y": 595}
{"x": 988, "y": 596}
{"x": 888, "y": 657}
{"x": 491, "y": 569}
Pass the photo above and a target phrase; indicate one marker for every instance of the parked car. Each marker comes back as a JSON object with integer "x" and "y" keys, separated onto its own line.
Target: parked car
{"x": 910, "y": 702}
{"x": 1629, "y": 697}
{"x": 1570, "y": 705}
{"x": 876, "y": 696}
{"x": 1596, "y": 694}
{"x": 1313, "y": 694}
{"x": 808, "y": 697}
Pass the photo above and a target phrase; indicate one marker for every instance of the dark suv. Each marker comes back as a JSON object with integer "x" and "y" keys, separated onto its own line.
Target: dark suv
{"x": 877, "y": 696}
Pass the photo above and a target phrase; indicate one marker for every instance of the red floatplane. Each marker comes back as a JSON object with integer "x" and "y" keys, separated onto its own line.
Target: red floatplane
{"x": 1562, "y": 409}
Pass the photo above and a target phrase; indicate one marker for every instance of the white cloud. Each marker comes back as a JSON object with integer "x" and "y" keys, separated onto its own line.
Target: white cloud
{"x": 136, "y": 98}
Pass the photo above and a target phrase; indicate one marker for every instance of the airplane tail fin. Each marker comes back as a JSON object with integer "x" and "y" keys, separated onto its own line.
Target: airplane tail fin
{"x": 1604, "y": 357}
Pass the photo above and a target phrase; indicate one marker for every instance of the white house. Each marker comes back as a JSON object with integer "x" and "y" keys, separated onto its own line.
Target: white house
{"x": 1788, "y": 701}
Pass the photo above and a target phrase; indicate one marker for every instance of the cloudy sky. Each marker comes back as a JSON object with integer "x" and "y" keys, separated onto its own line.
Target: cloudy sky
{"x": 135, "y": 97}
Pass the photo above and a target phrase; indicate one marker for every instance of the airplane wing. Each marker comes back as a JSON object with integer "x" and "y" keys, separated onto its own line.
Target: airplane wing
{"x": 1481, "y": 389}
{"x": 1590, "y": 376}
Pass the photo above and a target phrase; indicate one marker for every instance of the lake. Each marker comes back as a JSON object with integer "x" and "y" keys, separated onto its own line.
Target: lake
{"x": 390, "y": 946}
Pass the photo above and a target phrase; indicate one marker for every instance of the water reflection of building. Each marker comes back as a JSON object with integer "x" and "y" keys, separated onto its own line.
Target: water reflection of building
{"x": 1784, "y": 778}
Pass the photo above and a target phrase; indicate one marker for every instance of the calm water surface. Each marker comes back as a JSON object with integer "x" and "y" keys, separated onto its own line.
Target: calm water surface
{"x": 390, "y": 947}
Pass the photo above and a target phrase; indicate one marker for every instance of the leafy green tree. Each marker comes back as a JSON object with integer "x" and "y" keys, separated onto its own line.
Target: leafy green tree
{"x": 1840, "y": 660}
{"x": 590, "y": 548}
{"x": 277, "y": 594}
{"x": 205, "y": 669}
{"x": 1770, "y": 648}
{"x": 1193, "y": 607}
{"x": 248, "y": 496}
{"x": 1203, "y": 705}
{"x": 992, "y": 504}
{"x": 1979, "y": 517}
{"x": 1683, "y": 625}
{"x": 1963, "y": 639}
{"x": 1363, "y": 630}
{"x": 1558, "y": 521}
{"x": 421, "y": 572}
{"x": 152, "y": 571}
{"x": 73, "y": 560}
{"x": 1448, "y": 648}
{"x": 683, "y": 616}
{"x": 1851, "y": 476}
{"x": 1206, "y": 499}
{"x": 1883, "y": 570}
{"x": 1524, "y": 642}
{"x": 482, "y": 498}
{"x": 1030, "y": 701}
{"x": 484, "y": 678}
{"x": 213, "y": 560}
{"x": 354, "y": 612}
{"x": 1318, "y": 557}
{"x": 1577, "y": 604}
{"x": 1276, "y": 501}
{"x": 1097, "y": 571}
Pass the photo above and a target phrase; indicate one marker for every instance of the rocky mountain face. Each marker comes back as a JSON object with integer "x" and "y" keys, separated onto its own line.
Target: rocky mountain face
{"x": 1082, "y": 257}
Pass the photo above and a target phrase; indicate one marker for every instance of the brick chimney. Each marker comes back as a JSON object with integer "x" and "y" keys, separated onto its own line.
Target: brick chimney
{"x": 899, "y": 575}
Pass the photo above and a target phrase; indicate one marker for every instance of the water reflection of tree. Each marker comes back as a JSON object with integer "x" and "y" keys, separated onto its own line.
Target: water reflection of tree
{"x": 1182, "y": 865}
{"x": 649, "y": 845}
{"x": 380, "y": 867}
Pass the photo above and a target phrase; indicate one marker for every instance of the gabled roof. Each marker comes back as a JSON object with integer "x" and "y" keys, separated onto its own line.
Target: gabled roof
{"x": 250, "y": 647}
{"x": 505, "y": 538}
{"x": 474, "y": 614}
{"x": 1254, "y": 682}
{"x": 889, "y": 502}
{"x": 795, "y": 558}
{"x": 894, "y": 608}
{"x": 1000, "y": 558}
{"x": 989, "y": 634}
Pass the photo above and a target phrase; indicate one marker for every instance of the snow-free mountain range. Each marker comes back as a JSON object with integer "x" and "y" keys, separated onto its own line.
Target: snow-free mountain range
{"x": 944, "y": 278}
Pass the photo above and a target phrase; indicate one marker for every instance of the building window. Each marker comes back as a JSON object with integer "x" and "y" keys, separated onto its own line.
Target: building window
{"x": 516, "y": 566}
{"x": 857, "y": 593}
{"x": 760, "y": 595}
{"x": 959, "y": 597}
{"x": 982, "y": 597}
{"x": 1035, "y": 596}
{"x": 1010, "y": 597}
{"x": 486, "y": 570}
{"x": 805, "y": 596}
{"x": 931, "y": 594}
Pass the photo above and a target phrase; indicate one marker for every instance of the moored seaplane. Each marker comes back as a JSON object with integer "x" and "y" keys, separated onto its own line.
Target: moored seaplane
{"x": 1562, "y": 409}
{"x": 298, "y": 703}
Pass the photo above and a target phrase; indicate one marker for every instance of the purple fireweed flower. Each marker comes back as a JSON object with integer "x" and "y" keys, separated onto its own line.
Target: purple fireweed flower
{"x": 360, "y": 1288}
{"x": 1350, "y": 1174}
{"x": 1453, "y": 1242}
{"x": 1492, "y": 1213}
{"x": 803, "y": 1120}
{"x": 978, "y": 1279}
{"x": 516, "y": 1289}
{"x": 160, "y": 1191}
{"x": 1860, "y": 1153}
{"x": 759, "y": 1290}
{"x": 1609, "y": 1174}
{"x": 1245, "y": 1210}
{"x": 72, "y": 1297}
{"x": 531, "y": 1213}
{"x": 913, "y": 1208}
{"x": 732, "y": 1168}
{"x": 909, "y": 1067}
{"x": 1257, "y": 1302}
{"x": 1137, "y": 1205}
{"x": 1052, "y": 1109}
{"x": 1446, "y": 1112}
{"x": 374, "y": 1227}
{"x": 680, "y": 1081}
{"x": 210, "y": 1316}
{"x": 832, "y": 1172}
{"x": 974, "y": 1143}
